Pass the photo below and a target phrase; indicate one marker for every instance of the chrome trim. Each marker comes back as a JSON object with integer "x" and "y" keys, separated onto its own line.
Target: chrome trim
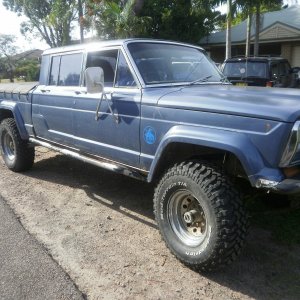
{"x": 267, "y": 184}
{"x": 291, "y": 147}
{"x": 98, "y": 162}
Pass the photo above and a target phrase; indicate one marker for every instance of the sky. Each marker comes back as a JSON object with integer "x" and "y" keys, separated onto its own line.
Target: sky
{"x": 10, "y": 24}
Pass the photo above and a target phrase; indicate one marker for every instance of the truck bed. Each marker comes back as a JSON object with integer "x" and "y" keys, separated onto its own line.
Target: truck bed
{"x": 9, "y": 91}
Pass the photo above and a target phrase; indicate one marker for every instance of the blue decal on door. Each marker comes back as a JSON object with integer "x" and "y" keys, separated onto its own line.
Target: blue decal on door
{"x": 149, "y": 135}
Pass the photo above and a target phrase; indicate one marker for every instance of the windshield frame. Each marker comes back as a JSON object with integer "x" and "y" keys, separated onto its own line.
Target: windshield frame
{"x": 172, "y": 84}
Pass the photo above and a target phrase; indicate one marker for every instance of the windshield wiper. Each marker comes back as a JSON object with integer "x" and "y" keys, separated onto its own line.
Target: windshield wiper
{"x": 203, "y": 79}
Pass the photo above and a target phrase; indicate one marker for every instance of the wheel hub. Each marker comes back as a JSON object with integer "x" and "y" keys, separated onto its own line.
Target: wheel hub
{"x": 187, "y": 218}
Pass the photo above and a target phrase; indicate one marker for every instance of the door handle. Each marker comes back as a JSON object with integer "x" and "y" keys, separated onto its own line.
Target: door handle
{"x": 80, "y": 92}
{"x": 45, "y": 91}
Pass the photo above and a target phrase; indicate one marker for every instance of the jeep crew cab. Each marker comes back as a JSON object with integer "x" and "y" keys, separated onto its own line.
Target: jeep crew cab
{"x": 161, "y": 112}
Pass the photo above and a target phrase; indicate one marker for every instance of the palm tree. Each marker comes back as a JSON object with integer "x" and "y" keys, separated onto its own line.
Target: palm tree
{"x": 228, "y": 29}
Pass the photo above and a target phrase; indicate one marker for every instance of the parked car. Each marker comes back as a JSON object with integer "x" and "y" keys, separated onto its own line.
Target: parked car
{"x": 161, "y": 112}
{"x": 259, "y": 71}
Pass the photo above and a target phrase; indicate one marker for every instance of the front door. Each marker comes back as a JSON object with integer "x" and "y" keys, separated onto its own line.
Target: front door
{"x": 104, "y": 137}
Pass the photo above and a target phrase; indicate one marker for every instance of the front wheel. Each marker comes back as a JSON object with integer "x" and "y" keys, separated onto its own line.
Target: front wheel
{"x": 16, "y": 153}
{"x": 200, "y": 215}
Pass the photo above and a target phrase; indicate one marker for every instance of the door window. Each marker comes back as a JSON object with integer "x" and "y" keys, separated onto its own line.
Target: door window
{"x": 107, "y": 60}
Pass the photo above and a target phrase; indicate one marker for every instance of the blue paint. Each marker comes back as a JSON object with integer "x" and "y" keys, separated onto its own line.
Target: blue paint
{"x": 149, "y": 135}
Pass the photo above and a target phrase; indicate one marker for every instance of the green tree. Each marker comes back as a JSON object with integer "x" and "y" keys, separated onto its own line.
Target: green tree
{"x": 51, "y": 19}
{"x": 8, "y": 51}
{"x": 170, "y": 19}
{"x": 118, "y": 19}
{"x": 28, "y": 69}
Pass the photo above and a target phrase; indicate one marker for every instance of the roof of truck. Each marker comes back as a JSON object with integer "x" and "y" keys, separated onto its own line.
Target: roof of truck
{"x": 107, "y": 43}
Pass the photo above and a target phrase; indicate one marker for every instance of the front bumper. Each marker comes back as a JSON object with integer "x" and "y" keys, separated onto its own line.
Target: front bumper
{"x": 286, "y": 186}
{"x": 290, "y": 186}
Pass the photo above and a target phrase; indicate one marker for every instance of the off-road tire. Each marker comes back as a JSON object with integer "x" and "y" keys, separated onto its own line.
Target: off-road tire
{"x": 225, "y": 217}
{"x": 18, "y": 156}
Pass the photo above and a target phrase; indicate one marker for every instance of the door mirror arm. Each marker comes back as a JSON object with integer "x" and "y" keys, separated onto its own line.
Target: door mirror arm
{"x": 103, "y": 96}
{"x": 94, "y": 78}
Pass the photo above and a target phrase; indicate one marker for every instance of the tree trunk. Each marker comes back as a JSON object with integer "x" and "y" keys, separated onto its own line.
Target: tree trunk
{"x": 248, "y": 41}
{"x": 80, "y": 13}
{"x": 228, "y": 30}
{"x": 257, "y": 29}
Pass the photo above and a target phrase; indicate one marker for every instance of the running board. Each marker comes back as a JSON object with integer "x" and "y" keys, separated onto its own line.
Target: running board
{"x": 120, "y": 169}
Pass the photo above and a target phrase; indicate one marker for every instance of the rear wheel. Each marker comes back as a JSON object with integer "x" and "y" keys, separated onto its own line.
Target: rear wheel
{"x": 16, "y": 153}
{"x": 200, "y": 215}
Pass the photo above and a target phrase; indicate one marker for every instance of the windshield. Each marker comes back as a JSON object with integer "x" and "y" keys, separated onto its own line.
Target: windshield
{"x": 161, "y": 63}
{"x": 243, "y": 69}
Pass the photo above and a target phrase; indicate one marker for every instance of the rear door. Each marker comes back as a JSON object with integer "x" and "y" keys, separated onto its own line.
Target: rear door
{"x": 117, "y": 141}
{"x": 52, "y": 109}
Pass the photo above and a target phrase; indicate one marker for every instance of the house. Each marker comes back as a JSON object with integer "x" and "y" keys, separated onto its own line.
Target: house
{"x": 35, "y": 54}
{"x": 279, "y": 35}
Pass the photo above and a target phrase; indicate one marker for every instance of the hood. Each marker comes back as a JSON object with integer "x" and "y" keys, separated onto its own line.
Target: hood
{"x": 263, "y": 103}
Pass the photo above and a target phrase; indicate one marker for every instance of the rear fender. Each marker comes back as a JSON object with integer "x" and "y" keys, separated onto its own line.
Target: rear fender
{"x": 10, "y": 106}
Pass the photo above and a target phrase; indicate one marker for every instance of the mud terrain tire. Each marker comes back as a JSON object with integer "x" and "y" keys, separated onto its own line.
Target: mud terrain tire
{"x": 16, "y": 153}
{"x": 200, "y": 215}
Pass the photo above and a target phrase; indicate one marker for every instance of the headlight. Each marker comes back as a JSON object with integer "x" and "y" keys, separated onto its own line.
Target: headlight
{"x": 291, "y": 154}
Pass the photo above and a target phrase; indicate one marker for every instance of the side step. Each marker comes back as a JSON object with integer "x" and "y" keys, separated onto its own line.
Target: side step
{"x": 108, "y": 165}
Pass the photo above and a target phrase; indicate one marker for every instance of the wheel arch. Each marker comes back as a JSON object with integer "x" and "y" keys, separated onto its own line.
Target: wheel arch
{"x": 10, "y": 109}
{"x": 185, "y": 142}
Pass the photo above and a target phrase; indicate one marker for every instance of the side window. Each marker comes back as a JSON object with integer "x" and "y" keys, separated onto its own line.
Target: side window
{"x": 284, "y": 68}
{"x": 53, "y": 79}
{"x": 107, "y": 60}
{"x": 124, "y": 76}
{"x": 274, "y": 70}
{"x": 70, "y": 69}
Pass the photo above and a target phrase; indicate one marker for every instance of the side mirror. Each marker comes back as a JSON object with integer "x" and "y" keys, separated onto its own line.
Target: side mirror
{"x": 94, "y": 79}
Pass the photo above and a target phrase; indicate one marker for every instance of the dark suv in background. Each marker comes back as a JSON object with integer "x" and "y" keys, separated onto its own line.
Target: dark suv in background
{"x": 260, "y": 71}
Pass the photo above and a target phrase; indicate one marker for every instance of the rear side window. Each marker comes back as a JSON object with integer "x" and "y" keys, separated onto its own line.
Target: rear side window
{"x": 70, "y": 70}
{"x": 53, "y": 79}
{"x": 66, "y": 70}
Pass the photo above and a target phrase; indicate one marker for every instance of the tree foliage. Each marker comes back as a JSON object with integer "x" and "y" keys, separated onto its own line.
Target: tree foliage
{"x": 51, "y": 19}
{"x": 171, "y": 19}
{"x": 8, "y": 51}
{"x": 28, "y": 70}
{"x": 117, "y": 19}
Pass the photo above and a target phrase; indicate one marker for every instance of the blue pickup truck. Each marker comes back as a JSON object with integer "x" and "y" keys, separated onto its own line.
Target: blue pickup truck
{"x": 161, "y": 112}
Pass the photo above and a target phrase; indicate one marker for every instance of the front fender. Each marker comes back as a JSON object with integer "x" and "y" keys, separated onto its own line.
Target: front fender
{"x": 234, "y": 142}
{"x": 11, "y": 106}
